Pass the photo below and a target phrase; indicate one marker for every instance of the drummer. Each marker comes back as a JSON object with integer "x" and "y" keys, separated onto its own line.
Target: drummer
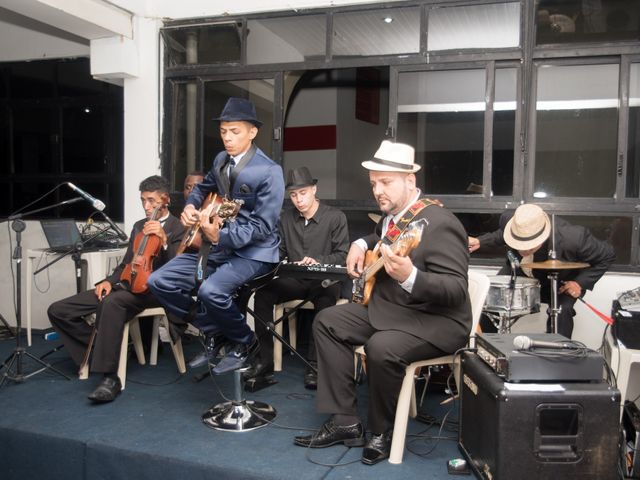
{"x": 528, "y": 230}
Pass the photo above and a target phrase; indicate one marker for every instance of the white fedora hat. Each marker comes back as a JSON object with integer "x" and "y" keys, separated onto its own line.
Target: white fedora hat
{"x": 528, "y": 227}
{"x": 393, "y": 157}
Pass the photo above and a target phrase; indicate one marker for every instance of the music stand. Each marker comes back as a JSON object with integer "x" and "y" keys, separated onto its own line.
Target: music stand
{"x": 19, "y": 352}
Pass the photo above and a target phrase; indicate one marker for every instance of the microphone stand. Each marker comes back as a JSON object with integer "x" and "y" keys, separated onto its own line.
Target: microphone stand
{"x": 19, "y": 352}
{"x": 554, "y": 310}
{"x": 80, "y": 268}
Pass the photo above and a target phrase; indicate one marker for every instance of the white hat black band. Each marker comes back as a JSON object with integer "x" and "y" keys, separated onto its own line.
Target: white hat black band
{"x": 389, "y": 163}
{"x": 530, "y": 237}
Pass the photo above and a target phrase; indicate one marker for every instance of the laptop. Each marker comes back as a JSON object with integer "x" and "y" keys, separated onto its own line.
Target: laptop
{"x": 62, "y": 234}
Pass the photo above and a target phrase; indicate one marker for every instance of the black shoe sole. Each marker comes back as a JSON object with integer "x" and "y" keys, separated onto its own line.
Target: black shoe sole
{"x": 349, "y": 442}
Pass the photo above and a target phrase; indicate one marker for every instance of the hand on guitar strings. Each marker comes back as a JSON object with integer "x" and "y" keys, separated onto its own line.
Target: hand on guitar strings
{"x": 397, "y": 267}
{"x": 189, "y": 216}
{"x": 355, "y": 261}
{"x": 210, "y": 226}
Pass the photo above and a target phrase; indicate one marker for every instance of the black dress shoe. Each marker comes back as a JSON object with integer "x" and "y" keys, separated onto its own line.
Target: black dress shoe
{"x": 107, "y": 391}
{"x": 310, "y": 379}
{"x": 258, "y": 369}
{"x": 212, "y": 344}
{"x": 332, "y": 434}
{"x": 377, "y": 448}
{"x": 237, "y": 356}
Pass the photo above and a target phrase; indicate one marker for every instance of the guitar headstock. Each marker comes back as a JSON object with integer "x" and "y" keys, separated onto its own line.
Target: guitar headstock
{"x": 410, "y": 238}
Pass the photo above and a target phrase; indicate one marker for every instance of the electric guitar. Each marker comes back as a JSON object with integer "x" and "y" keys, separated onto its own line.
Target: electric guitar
{"x": 222, "y": 207}
{"x": 373, "y": 262}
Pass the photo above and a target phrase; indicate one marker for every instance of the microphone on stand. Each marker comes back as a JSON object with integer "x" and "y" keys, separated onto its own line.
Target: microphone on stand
{"x": 522, "y": 342}
{"x": 514, "y": 263}
{"x": 95, "y": 203}
{"x": 116, "y": 228}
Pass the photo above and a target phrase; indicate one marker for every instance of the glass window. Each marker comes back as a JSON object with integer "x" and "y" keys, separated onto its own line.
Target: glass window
{"x": 74, "y": 79}
{"x": 575, "y": 21}
{"x": 328, "y": 130}
{"x": 441, "y": 113}
{"x": 504, "y": 127}
{"x": 615, "y": 230}
{"x": 32, "y": 79}
{"x": 287, "y": 39}
{"x": 83, "y": 144}
{"x": 36, "y": 138}
{"x": 381, "y": 32}
{"x": 5, "y": 139}
{"x": 216, "y": 94}
{"x": 479, "y": 26}
{"x": 633, "y": 145}
{"x": 203, "y": 44}
{"x": 182, "y": 137}
{"x": 576, "y": 131}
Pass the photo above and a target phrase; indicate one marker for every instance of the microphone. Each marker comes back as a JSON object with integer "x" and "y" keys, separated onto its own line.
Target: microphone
{"x": 522, "y": 342}
{"x": 513, "y": 260}
{"x": 116, "y": 228}
{"x": 514, "y": 263}
{"x": 95, "y": 203}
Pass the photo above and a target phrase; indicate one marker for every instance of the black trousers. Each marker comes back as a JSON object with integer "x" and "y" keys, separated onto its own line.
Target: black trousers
{"x": 337, "y": 330}
{"x": 283, "y": 289}
{"x": 120, "y": 306}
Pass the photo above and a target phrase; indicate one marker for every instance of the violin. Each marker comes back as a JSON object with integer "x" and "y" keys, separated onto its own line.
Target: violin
{"x": 135, "y": 275}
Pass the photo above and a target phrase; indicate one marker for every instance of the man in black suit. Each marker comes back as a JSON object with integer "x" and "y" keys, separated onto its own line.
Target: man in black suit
{"x": 111, "y": 300}
{"x": 419, "y": 308}
{"x": 528, "y": 230}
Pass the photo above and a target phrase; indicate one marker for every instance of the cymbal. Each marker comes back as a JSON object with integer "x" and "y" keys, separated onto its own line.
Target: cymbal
{"x": 555, "y": 265}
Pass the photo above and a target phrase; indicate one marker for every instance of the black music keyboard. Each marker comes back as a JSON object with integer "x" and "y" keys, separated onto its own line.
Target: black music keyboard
{"x": 319, "y": 271}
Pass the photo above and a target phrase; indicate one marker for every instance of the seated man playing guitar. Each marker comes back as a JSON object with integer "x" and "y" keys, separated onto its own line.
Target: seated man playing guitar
{"x": 112, "y": 299}
{"x": 232, "y": 253}
{"x": 418, "y": 308}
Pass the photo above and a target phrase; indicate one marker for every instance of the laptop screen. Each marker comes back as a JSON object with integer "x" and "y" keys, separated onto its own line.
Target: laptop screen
{"x": 61, "y": 232}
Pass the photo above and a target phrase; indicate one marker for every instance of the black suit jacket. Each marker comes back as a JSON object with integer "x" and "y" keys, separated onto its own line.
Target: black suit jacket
{"x": 573, "y": 243}
{"x": 438, "y": 308}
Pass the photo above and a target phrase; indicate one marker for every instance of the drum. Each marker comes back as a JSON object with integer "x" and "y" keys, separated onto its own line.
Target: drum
{"x": 503, "y": 300}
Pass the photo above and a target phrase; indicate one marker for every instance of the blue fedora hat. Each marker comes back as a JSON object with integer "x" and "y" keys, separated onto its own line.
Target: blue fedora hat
{"x": 239, "y": 109}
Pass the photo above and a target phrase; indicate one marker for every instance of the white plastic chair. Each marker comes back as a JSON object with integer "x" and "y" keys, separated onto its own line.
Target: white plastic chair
{"x": 478, "y": 289}
{"x": 280, "y": 310}
{"x": 132, "y": 328}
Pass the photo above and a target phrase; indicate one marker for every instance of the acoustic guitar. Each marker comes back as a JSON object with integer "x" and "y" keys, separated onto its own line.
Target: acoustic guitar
{"x": 373, "y": 262}
{"x": 223, "y": 208}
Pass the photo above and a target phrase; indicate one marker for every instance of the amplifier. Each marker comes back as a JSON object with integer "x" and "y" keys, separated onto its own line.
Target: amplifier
{"x": 538, "y": 365}
{"x": 626, "y": 326}
{"x": 630, "y": 449}
{"x": 536, "y": 434}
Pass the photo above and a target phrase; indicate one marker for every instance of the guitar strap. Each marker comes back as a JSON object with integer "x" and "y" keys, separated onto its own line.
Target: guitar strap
{"x": 407, "y": 218}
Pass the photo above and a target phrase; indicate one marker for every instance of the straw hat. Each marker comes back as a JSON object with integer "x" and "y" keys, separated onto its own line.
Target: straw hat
{"x": 528, "y": 228}
{"x": 393, "y": 157}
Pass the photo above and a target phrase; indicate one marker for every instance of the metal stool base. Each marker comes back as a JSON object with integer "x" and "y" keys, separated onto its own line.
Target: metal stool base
{"x": 239, "y": 416}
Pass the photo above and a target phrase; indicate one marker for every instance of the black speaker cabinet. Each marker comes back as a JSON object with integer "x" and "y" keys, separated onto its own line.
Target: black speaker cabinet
{"x": 522, "y": 431}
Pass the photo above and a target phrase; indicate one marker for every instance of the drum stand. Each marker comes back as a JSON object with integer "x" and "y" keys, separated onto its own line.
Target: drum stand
{"x": 554, "y": 309}
{"x": 503, "y": 321}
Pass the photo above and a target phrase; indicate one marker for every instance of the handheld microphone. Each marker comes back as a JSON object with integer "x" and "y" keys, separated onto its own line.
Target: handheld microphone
{"x": 116, "y": 228}
{"x": 95, "y": 203}
{"x": 522, "y": 342}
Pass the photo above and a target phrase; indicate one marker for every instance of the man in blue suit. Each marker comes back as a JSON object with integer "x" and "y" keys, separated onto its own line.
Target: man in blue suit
{"x": 240, "y": 250}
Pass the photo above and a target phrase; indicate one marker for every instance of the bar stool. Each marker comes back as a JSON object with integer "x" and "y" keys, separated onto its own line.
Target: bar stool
{"x": 240, "y": 414}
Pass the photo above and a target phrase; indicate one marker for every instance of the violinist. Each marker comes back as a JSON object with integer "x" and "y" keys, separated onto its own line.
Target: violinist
{"x": 111, "y": 299}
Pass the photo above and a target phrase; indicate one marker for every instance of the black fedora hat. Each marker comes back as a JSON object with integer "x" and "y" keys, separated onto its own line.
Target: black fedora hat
{"x": 299, "y": 178}
{"x": 239, "y": 109}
